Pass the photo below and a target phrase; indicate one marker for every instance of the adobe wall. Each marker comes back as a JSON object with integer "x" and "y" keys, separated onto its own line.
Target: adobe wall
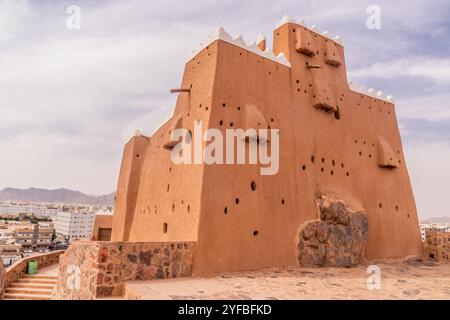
{"x": 101, "y": 222}
{"x": 19, "y": 268}
{"x": 242, "y": 220}
{"x": 167, "y": 194}
{"x": 90, "y": 270}
{"x": 128, "y": 187}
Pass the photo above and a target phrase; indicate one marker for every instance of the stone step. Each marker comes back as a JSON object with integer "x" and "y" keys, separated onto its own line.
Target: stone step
{"x": 31, "y": 285}
{"x": 27, "y": 276}
{"x": 21, "y": 296}
{"x": 33, "y": 291}
{"x": 40, "y": 281}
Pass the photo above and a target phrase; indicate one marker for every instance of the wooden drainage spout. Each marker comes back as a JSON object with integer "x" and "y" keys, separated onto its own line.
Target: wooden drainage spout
{"x": 313, "y": 66}
{"x": 179, "y": 90}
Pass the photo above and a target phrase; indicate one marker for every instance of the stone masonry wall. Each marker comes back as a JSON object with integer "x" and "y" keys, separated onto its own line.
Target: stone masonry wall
{"x": 2, "y": 279}
{"x": 91, "y": 269}
{"x": 19, "y": 268}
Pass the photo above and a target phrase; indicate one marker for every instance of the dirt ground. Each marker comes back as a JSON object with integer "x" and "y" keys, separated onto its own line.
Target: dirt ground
{"x": 406, "y": 280}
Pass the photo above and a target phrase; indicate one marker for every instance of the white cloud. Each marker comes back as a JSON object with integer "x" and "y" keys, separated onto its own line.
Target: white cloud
{"x": 435, "y": 69}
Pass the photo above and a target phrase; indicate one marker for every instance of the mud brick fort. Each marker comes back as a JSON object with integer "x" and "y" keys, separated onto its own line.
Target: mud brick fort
{"x": 342, "y": 194}
{"x": 334, "y": 138}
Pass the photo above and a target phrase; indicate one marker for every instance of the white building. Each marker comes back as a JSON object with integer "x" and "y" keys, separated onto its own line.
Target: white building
{"x": 40, "y": 211}
{"x": 74, "y": 225}
{"x": 434, "y": 227}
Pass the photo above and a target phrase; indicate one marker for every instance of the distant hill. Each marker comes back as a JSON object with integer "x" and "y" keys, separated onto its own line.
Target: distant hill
{"x": 437, "y": 220}
{"x": 55, "y": 196}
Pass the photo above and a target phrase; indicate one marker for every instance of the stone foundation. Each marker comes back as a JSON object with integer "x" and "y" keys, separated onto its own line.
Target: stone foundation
{"x": 337, "y": 239}
{"x": 90, "y": 270}
{"x": 2, "y": 279}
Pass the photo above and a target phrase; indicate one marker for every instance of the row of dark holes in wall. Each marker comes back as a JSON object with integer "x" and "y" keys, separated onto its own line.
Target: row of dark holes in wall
{"x": 322, "y": 169}
{"x": 237, "y": 200}
{"x": 166, "y": 227}
{"x": 155, "y": 211}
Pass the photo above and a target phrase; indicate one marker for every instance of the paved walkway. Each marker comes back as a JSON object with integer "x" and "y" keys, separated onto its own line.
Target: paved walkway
{"x": 49, "y": 271}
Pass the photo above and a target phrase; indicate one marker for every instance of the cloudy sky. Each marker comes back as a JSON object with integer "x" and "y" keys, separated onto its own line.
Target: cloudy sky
{"x": 70, "y": 99}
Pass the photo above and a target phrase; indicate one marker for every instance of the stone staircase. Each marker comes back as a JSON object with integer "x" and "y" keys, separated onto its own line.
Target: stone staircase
{"x": 31, "y": 287}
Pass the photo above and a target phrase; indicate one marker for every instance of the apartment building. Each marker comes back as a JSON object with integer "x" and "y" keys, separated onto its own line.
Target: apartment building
{"x": 74, "y": 225}
{"x": 36, "y": 237}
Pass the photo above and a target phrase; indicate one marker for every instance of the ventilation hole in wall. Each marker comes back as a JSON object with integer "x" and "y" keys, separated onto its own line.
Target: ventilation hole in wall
{"x": 200, "y": 105}
{"x": 347, "y": 174}
{"x": 239, "y": 108}
{"x": 303, "y": 167}
{"x": 231, "y": 124}
{"x": 322, "y": 169}
{"x": 255, "y": 233}
{"x": 282, "y": 201}
{"x": 224, "y": 104}
{"x": 396, "y": 208}
{"x": 165, "y": 227}
{"x": 342, "y": 165}
{"x": 370, "y": 156}
{"x": 380, "y": 205}
{"x": 253, "y": 186}
{"x": 225, "y": 210}
{"x": 364, "y": 141}
{"x": 360, "y": 153}
{"x": 356, "y": 141}
{"x": 270, "y": 73}
{"x": 206, "y": 108}
{"x": 310, "y": 85}
{"x": 272, "y": 120}
{"x": 333, "y": 163}
{"x": 337, "y": 113}
{"x": 297, "y": 81}
{"x": 323, "y": 160}
{"x": 188, "y": 208}
{"x": 182, "y": 201}
{"x": 137, "y": 156}
{"x": 168, "y": 187}
{"x": 399, "y": 161}
{"x": 240, "y": 53}
{"x": 221, "y": 122}
{"x": 298, "y": 89}
{"x": 398, "y": 151}
{"x": 236, "y": 200}
{"x": 408, "y": 215}
{"x": 332, "y": 172}
{"x": 305, "y": 92}
{"x": 312, "y": 159}
{"x": 373, "y": 144}
{"x": 173, "y": 208}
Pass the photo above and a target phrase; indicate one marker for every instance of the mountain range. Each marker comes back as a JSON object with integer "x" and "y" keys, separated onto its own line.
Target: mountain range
{"x": 444, "y": 220}
{"x": 55, "y": 196}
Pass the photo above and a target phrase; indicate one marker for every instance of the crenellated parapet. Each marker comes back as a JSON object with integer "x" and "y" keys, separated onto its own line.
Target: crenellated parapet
{"x": 239, "y": 41}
